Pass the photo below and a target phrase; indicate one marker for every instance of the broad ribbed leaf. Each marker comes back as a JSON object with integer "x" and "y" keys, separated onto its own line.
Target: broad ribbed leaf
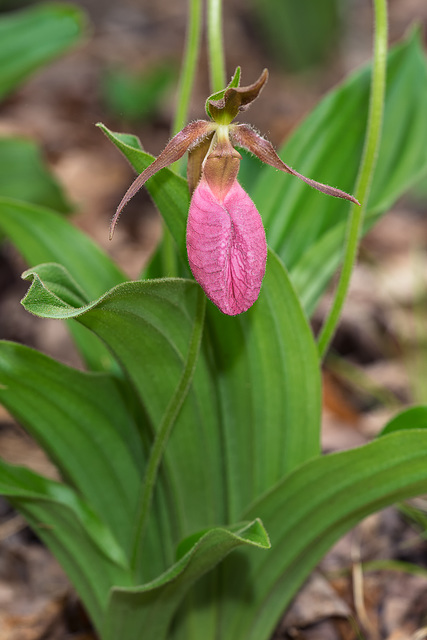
{"x": 269, "y": 388}
{"x": 24, "y": 176}
{"x": 32, "y": 37}
{"x": 267, "y": 372}
{"x": 82, "y": 422}
{"x": 41, "y": 235}
{"x": 327, "y": 147}
{"x": 148, "y": 326}
{"x": 304, "y": 515}
{"x": 82, "y": 543}
{"x": 147, "y": 610}
{"x": 413, "y": 418}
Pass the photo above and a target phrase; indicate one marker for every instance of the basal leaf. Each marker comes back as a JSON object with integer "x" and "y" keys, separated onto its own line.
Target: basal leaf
{"x": 413, "y": 418}
{"x": 24, "y": 176}
{"x": 148, "y": 327}
{"x": 41, "y": 235}
{"x": 82, "y": 422}
{"x": 305, "y": 514}
{"x": 327, "y": 147}
{"x": 82, "y": 543}
{"x": 32, "y": 37}
{"x": 269, "y": 388}
{"x": 149, "y": 609}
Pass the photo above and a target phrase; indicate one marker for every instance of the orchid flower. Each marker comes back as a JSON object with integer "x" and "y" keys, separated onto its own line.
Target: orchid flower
{"x": 226, "y": 244}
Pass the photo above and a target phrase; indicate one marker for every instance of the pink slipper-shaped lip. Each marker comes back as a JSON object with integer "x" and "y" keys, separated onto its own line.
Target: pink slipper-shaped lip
{"x": 226, "y": 247}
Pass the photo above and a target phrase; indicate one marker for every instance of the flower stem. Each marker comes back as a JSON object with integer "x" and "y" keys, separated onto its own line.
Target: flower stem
{"x": 366, "y": 170}
{"x": 189, "y": 64}
{"x": 165, "y": 429}
{"x": 185, "y": 87}
{"x": 216, "y": 46}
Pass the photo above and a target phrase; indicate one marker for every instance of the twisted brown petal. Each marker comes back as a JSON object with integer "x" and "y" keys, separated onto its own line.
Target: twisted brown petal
{"x": 243, "y": 136}
{"x": 173, "y": 151}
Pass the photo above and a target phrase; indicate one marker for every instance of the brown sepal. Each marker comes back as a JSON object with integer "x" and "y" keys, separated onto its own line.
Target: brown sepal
{"x": 243, "y": 136}
{"x": 173, "y": 151}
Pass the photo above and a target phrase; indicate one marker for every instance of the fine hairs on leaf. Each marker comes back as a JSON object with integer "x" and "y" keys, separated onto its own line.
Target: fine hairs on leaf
{"x": 193, "y": 498}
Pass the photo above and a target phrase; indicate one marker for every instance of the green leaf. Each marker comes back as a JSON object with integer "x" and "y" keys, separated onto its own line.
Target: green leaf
{"x": 32, "y": 37}
{"x": 305, "y": 514}
{"x": 136, "y": 96}
{"x": 413, "y": 418}
{"x": 24, "y": 176}
{"x": 41, "y": 235}
{"x": 82, "y": 422}
{"x": 327, "y": 147}
{"x": 267, "y": 368}
{"x": 55, "y": 294}
{"x": 148, "y": 327}
{"x": 262, "y": 397}
{"x": 149, "y": 609}
{"x": 267, "y": 373}
{"x": 82, "y": 543}
{"x": 322, "y": 259}
{"x": 168, "y": 190}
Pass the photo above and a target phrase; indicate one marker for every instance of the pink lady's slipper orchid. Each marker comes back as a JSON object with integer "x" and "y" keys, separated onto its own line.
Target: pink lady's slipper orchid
{"x": 226, "y": 245}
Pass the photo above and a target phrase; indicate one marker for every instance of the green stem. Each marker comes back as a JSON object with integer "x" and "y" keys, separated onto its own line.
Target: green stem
{"x": 165, "y": 429}
{"x": 185, "y": 88}
{"x": 366, "y": 170}
{"x": 215, "y": 46}
{"x": 189, "y": 64}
